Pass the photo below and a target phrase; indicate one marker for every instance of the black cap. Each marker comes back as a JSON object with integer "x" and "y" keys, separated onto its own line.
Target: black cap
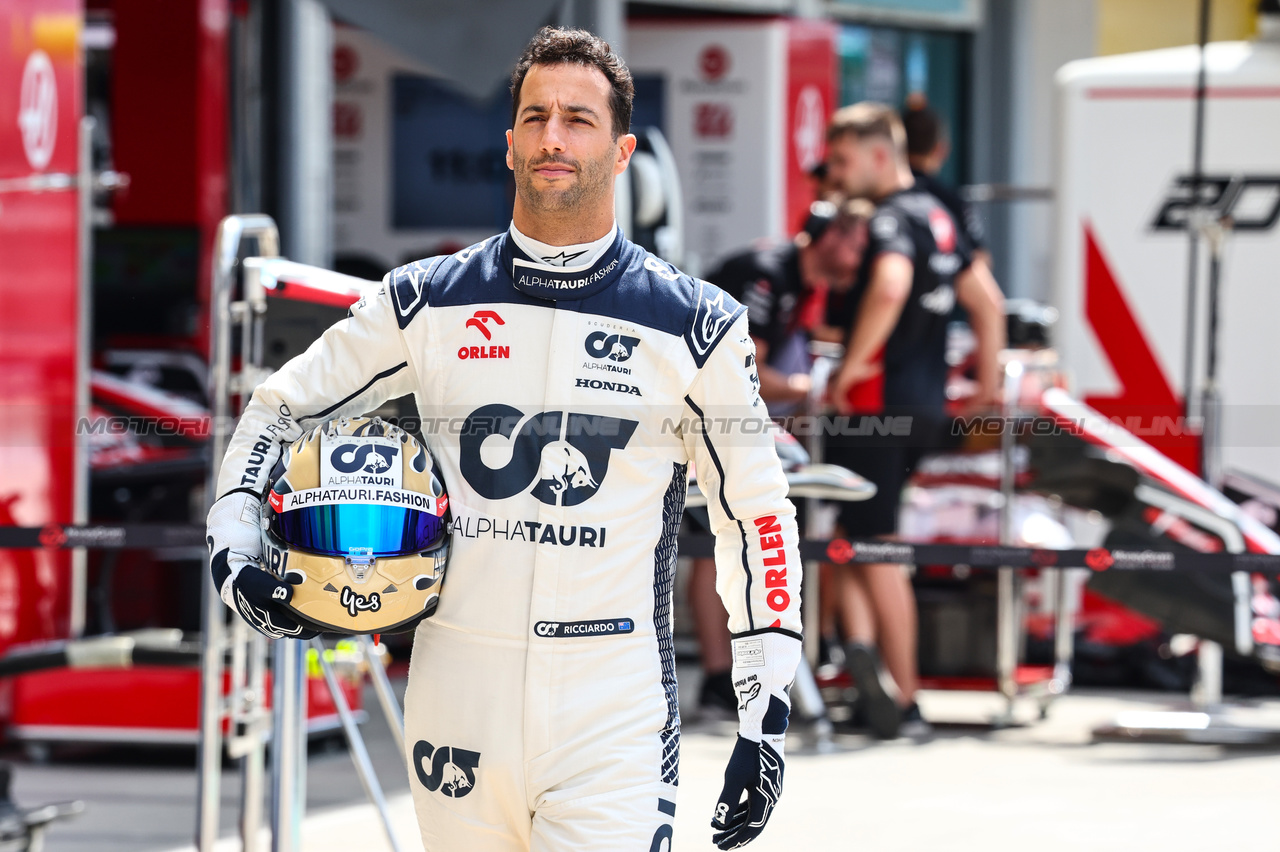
{"x": 1269, "y": 7}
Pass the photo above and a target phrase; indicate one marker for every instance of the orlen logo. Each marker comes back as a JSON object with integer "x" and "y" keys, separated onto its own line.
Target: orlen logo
{"x": 713, "y": 62}
{"x": 563, "y": 456}
{"x": 480, "y": 322}
{"x": 615, "y": 347}
{"x": 480, "y": 319}
{"x": 775, "y": 575}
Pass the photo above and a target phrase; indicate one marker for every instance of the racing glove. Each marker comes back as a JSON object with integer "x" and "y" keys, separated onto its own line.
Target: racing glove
{"x": 235, "y": 545}
{"x": 764, "y": 665}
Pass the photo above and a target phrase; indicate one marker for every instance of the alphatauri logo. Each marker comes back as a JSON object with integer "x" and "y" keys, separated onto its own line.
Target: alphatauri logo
{"x": 360, "y": 460}
{"x": 564, "y": 456}
{"x": 370, "y": 458}
{"x": 452, "y": 770}
{"x": 615, "y": 347}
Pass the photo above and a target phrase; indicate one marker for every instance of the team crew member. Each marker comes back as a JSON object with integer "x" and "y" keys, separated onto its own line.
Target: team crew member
{"x": 784, "y": 288}
{"x": 541, "y": 708}
{"x": 928, "y": 147}
{"x": 917, "y": 267}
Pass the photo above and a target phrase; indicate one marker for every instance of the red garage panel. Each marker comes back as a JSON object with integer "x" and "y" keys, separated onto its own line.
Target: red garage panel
{"x": 40, "y": 106}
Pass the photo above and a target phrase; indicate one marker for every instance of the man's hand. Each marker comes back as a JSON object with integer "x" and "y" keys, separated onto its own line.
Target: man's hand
{"x": 235, "y": 545}
{"x": 850, "y": 374}
{"x": 755, "y": 769}
{"x": 764, "y": 664}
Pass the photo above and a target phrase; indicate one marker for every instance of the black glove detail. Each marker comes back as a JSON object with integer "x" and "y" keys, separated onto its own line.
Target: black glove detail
{"x": 260, "y": 598}
{"x": 756, "y": 770}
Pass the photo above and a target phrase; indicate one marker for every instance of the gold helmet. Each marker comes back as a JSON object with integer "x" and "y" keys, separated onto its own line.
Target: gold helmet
{"x": 356, "y": 519}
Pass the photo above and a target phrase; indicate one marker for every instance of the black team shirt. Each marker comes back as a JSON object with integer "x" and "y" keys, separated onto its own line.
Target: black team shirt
{"x": 914, "y": 223}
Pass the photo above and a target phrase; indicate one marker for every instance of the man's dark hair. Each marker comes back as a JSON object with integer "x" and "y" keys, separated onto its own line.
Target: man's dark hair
{"x": 554, "y": 45}
{"x": 924, "y": 131}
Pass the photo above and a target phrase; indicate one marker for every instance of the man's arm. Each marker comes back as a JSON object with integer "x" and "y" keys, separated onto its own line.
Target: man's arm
{"x": 887, "y": 292}
{"x": 977, "y": 291}
{"x": 355, "y": 366}
{"x": 758, "y": 573}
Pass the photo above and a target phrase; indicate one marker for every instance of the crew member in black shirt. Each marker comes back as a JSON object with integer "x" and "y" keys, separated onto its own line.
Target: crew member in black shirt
{"x": 928, "y": 147}
{"x": 784, "y": 286}
{"x": 916, "y": 268}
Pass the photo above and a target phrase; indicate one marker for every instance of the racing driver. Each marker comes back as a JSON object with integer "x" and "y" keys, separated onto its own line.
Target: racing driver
{"x": 567, "y": 380}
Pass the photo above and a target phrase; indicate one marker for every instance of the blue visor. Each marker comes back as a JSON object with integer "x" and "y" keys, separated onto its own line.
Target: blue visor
{"x": 341, "y": 529}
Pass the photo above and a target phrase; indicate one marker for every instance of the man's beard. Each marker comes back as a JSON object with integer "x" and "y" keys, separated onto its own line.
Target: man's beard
{"x": 593, "y": 177}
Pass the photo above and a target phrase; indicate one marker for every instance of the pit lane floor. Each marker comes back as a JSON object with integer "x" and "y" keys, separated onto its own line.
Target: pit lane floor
{"x": 1040, "y": 786}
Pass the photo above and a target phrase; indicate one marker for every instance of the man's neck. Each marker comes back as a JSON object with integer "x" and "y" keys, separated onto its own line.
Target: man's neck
{"x": 900, "y": 179}
{"x": 566, "y": 230}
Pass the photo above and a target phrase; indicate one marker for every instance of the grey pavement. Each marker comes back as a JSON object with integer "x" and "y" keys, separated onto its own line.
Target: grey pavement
{"x": 1040, "y": 785}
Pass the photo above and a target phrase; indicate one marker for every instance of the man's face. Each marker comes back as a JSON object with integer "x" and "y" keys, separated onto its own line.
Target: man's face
{"x": 840, "y": 250}
{"x": 562, "y": 148}
{"x": 851, "y": 165}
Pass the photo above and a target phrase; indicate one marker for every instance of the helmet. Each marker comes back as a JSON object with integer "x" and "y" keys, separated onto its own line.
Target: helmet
{"x": 356, "y": 520}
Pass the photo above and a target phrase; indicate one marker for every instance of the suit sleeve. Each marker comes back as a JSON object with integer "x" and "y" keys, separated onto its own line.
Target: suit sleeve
{"x": 758, "y": 569}
{"x": 355, "y": 366}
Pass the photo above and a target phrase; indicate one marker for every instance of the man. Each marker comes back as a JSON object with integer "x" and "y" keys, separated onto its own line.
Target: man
{"x": 917, "y": 267}
{"x": 573, "y": 377}
{"x": 784, "y": 289}
{"x": 928, "y": 147}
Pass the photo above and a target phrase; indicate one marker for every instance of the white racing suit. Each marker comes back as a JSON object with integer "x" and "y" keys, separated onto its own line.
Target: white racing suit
{"x": 564, "y": 406}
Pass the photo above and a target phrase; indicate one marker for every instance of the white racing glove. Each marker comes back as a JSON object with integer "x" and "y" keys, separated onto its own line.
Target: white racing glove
{"x": 764, "y": 664}
{"x": 235, "y": 547}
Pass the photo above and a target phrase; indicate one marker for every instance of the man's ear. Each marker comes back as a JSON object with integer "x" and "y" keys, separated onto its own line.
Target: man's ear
{"x": 626, "y": 147}
{"x": 510, "y": 157}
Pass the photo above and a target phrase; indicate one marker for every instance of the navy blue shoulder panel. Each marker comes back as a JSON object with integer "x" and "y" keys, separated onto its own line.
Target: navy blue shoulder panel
{"x": 715, "y": 312}
{"x": 409, "y": 287}
{"x": 474, "y": 275}
{"x": 650, "y": 292}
